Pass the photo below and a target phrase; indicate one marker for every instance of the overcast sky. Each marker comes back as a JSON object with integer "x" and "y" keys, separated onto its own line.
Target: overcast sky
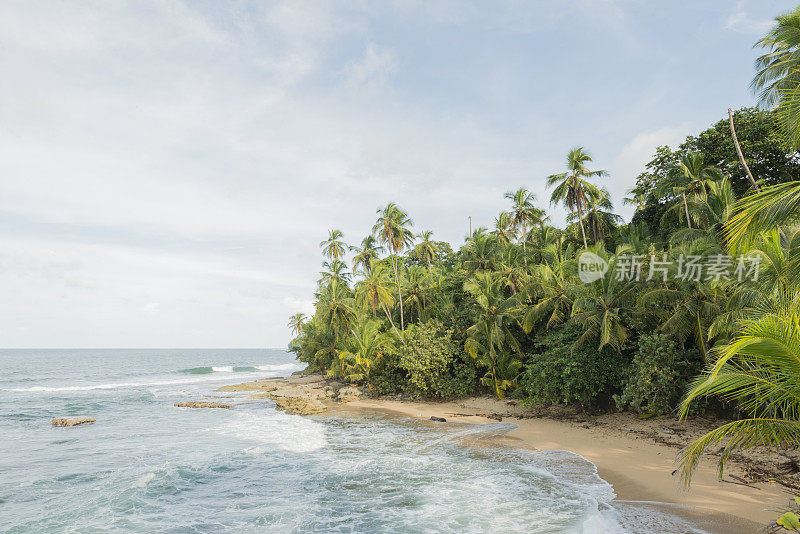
{"x": 167, "y": 169}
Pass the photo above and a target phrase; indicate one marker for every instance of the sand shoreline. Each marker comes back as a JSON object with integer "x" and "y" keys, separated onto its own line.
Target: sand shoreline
{"x": 639, "y": 467}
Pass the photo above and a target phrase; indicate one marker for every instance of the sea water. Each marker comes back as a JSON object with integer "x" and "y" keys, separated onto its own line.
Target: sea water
{"x": 146, "y": 466}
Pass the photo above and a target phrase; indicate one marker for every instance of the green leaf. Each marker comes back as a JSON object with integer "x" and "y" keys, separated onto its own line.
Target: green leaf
{"x": 789, "y": 521}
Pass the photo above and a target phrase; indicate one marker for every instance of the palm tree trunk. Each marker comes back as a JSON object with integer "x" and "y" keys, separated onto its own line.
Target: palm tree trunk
{"x": 686, "y": 208}
{"x": 399, "y": 294}
{"x": 524, "y": 235}
{"x": 739, "y": 152}
{"x": 583, "y": 230}
{"x": 388, "y": 316}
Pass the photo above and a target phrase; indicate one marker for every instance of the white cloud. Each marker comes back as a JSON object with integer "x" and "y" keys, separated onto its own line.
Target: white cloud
{"x": 373, "y": 71}
{"x": 739, "y": 20}
{"x": 167, "y": 168}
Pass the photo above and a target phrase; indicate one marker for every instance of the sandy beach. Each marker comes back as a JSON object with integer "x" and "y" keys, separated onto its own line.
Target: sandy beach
{"x": 639, "y": 467}
{"x": 637, "y": 456}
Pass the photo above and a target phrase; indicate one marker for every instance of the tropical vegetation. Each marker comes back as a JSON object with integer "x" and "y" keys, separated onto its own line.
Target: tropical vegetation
{"x": 698, "y": 308}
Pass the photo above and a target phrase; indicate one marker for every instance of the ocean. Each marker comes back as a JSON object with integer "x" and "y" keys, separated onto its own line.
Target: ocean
{"x": 146, "y": 466}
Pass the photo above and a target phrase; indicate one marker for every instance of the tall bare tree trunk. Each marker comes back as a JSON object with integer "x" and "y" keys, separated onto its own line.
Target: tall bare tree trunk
{"x": 739, "y": 151}
{"x": 686, "y": 209}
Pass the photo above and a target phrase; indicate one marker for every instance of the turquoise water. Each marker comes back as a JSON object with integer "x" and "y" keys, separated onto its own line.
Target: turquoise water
{"x": 146, "y": 466}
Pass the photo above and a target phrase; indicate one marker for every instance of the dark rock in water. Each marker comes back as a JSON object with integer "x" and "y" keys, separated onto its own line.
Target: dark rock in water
{"x": 201, "y": 404}
{"x": 74, "y": 421}
{"x": 438, "y": 419}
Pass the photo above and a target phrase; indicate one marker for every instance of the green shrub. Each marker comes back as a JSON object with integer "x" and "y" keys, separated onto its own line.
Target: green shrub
{"x": 658, "y": 375}
{"x": 430, "y": 364}
{"x": 563, "y": 374}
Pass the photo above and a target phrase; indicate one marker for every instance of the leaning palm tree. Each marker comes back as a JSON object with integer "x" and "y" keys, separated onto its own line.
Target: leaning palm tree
{"x": 393, "y": 228}
{"x": 777, "y": 79}
{"x": 374, "y": 291}
{"x": 333, "y": 247}
{"x": 572, "y": 187}
{"x": 523, "y": 212}
{"x": 772, "y": 207}
{"x": 760, "y": 369}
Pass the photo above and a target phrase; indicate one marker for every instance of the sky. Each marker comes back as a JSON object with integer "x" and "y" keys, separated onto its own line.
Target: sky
{"x": 168, "y": 168}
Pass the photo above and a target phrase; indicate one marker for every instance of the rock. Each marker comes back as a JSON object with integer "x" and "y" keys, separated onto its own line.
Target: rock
{"x": 299, "y": 405}
{"x": 438, "y": 419}
{"x": 347, "y": 394}
{"x": 201, "y": 404}
{"x": 74, "y": 421}
{"x": 329, "y": 392}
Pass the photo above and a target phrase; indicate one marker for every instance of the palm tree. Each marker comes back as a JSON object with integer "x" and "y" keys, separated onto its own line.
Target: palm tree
{"x": 366, "y": 347}
{"x": 366, "y": 254}
{"x": 777, "y": 79}
{"x": 335, "y": 307}
{"x": 551, "y": 292}
{"x": 426, "y": 247}
{"x": 760, "y": 369}
{"x": 572, "y": 187}
{"x": 523, "y": 213}
{"x": 374, "y": 291}
{"x": 417, "y": 284}
{"x": 711, "y": 209}
{"x": 599, "y": 215}
{"x": 636, "y": 198}
{"x": 769, "y": 209}
{"x": 296, "y": 322}
{"x": 393, "y": 229}
{"x": 503, "y": 229}
{"x": 335, "y": 270}
{"x": 333, "y": 247}
{"x": 481, "y": 252}
{"x": 489, "y": 338}
{"x": 598, "y": 306}
{"x": 691, "y": 176}
{"x": 687, "y": 306}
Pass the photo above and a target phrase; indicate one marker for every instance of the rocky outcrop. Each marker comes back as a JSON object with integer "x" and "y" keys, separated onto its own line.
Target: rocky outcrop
{"x": 72, "y": 421}
{"x": 349, "y": 393}
{"x": 299, "y": 405}
{"x": 302, "y": 395}
{"x": 201, "y": 404}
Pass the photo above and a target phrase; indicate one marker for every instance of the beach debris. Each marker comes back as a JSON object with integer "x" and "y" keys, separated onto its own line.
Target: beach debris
{"x": 201, "y": 404}
{"x": 72, "y": 421}
{"x": 438, "y": 419}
